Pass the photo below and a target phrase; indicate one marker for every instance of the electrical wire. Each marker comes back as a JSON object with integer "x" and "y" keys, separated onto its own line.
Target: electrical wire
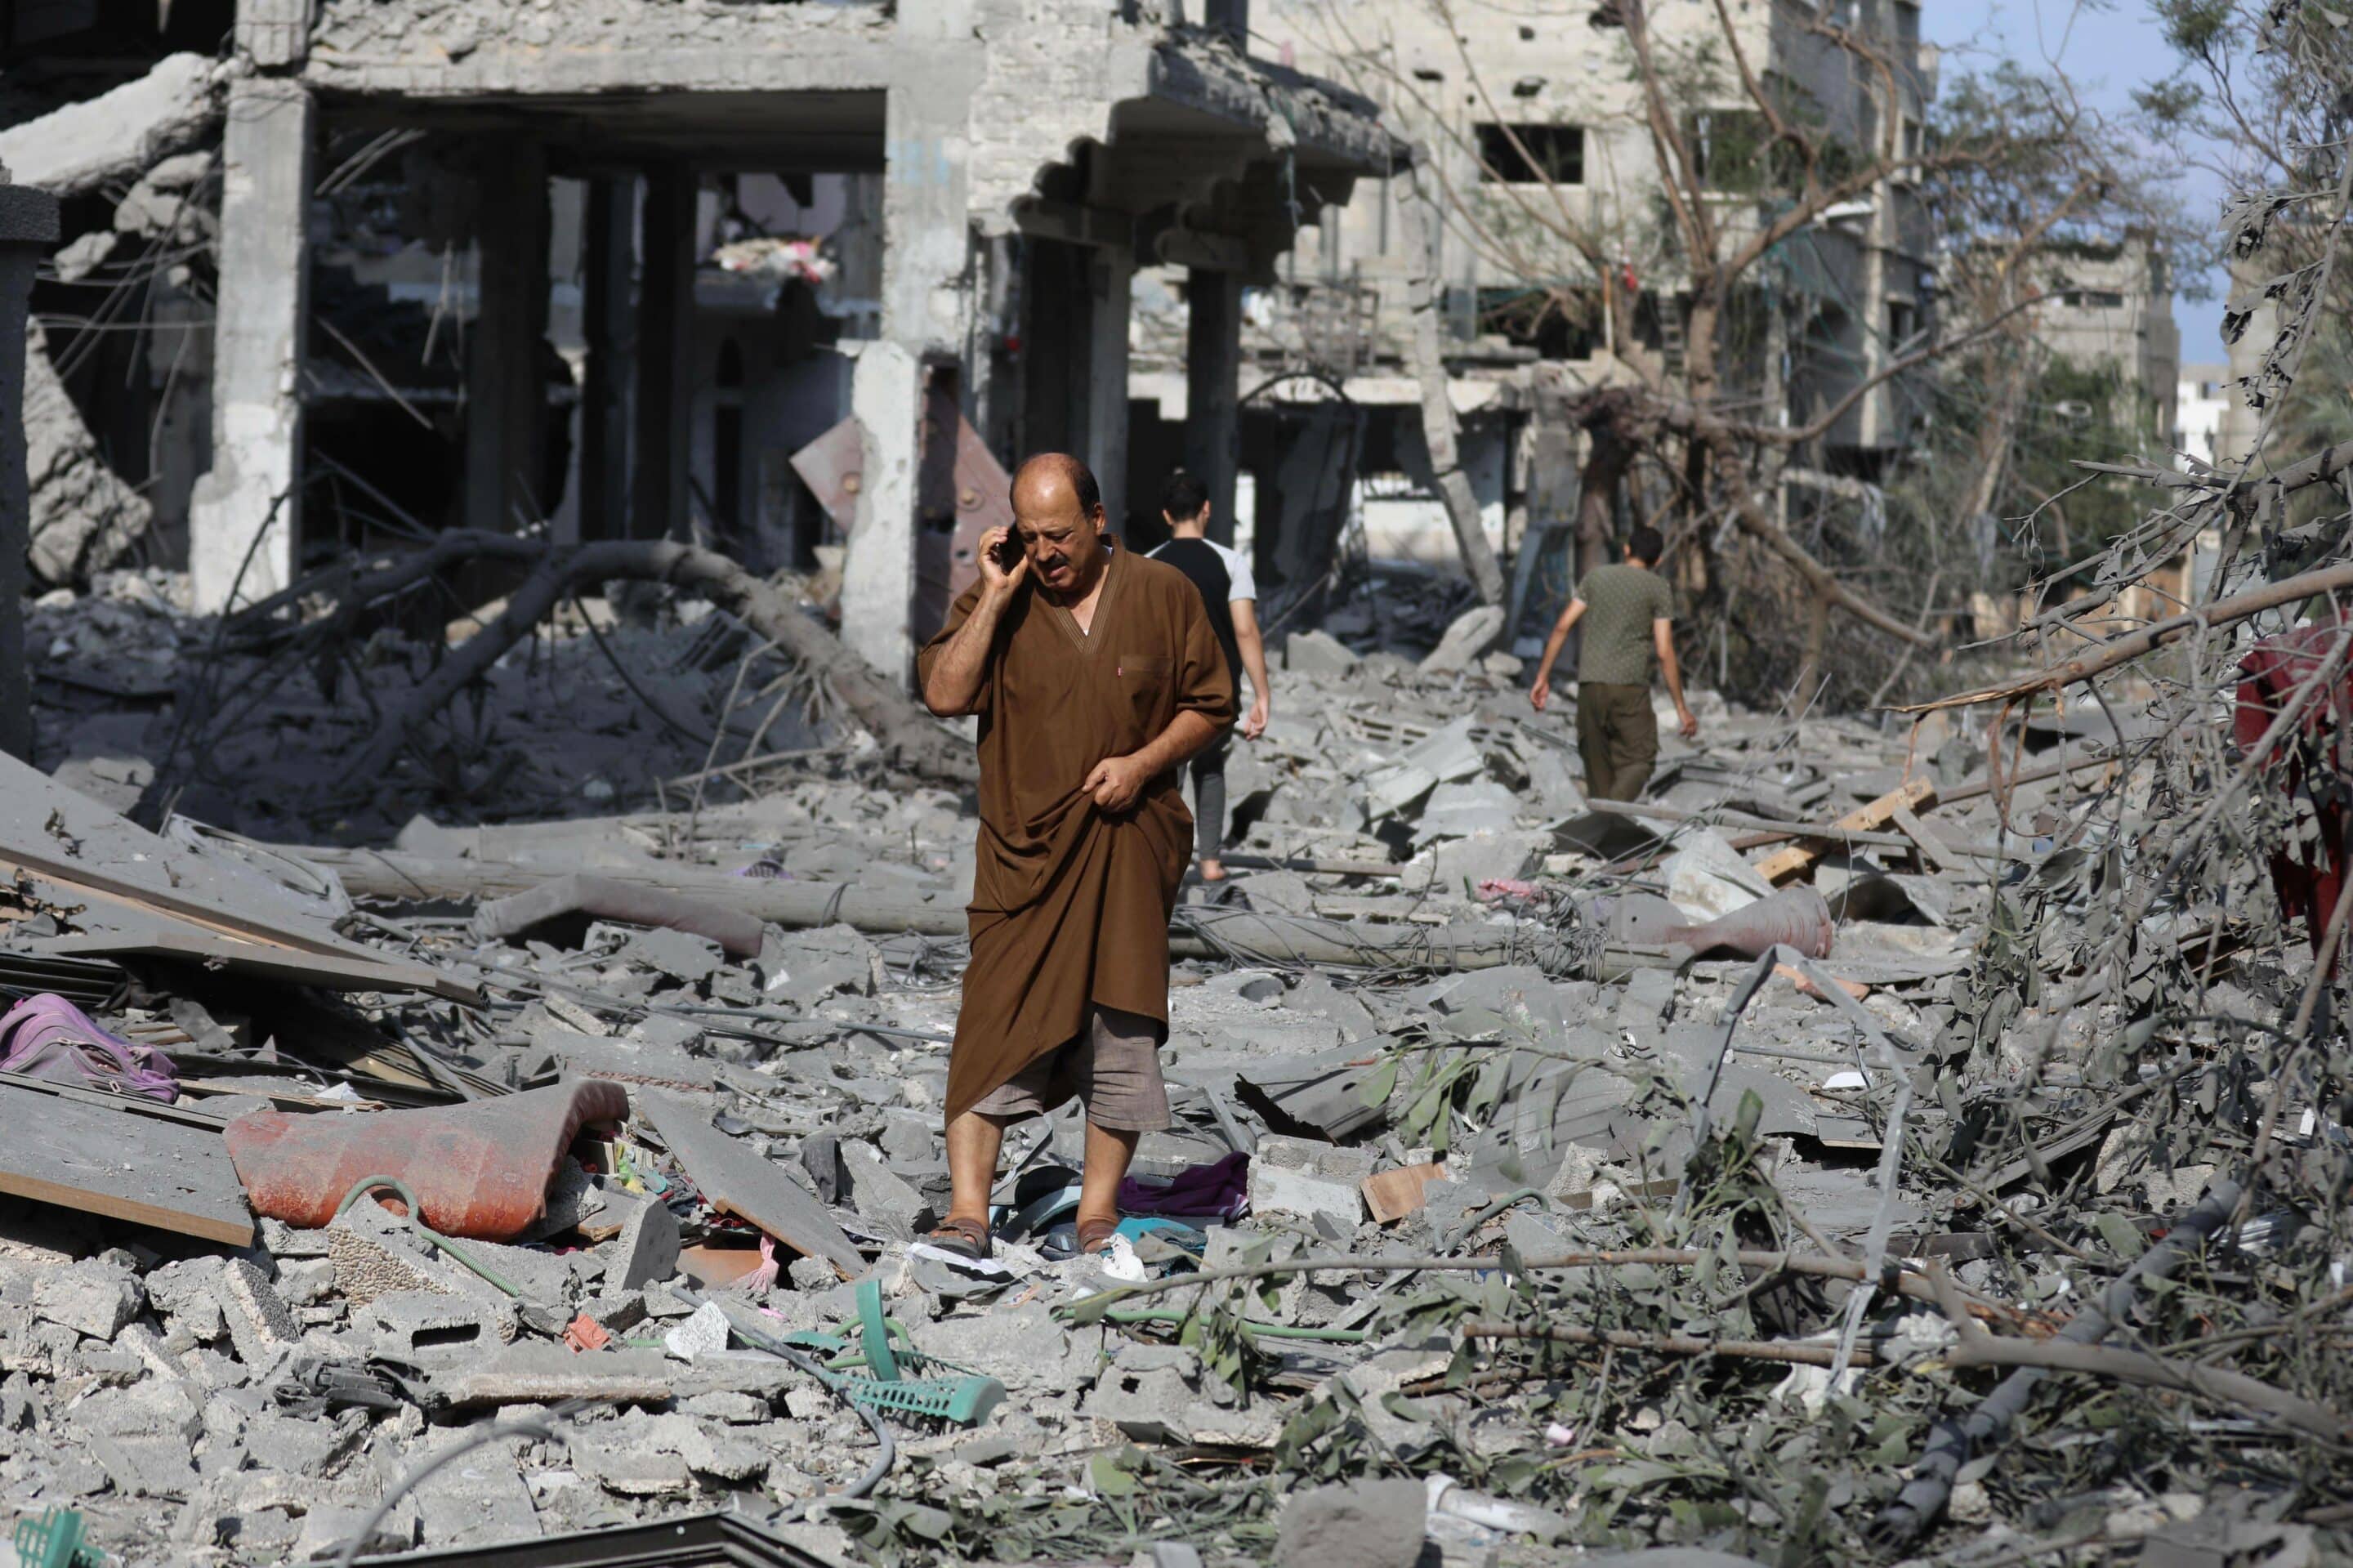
{"x": 416, "y": 1220}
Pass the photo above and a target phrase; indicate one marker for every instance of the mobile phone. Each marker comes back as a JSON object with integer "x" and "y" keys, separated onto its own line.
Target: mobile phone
{"x": 1008, "y": 551}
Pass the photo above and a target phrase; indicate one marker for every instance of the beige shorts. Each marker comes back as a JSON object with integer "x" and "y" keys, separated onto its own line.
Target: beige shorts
{"x": 1113, "y": 1069}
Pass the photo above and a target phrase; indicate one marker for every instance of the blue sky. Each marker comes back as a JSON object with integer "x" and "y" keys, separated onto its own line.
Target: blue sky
{"x": 2110, "y": 50}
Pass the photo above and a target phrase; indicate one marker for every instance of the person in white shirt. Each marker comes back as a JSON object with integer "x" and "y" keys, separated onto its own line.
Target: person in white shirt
{"x": 1230, "y": 596}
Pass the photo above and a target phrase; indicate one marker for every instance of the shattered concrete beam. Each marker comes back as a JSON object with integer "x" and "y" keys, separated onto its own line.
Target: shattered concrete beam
{"x": 118, "y": 135}
{"x": 389, "y": 875}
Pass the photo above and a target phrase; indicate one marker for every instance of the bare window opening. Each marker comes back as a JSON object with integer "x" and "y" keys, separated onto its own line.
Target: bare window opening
{"x": 1542, "y": 155}
{"x": 1423, "y": 73}
{"x": 1908, "y": 24}
{"x": 2092, "y": 299}
{"x": 1912, "y": 137}
{"x": 1903, "y": 320}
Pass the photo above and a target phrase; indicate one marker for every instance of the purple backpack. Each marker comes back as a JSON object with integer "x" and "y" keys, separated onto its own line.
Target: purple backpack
{"x": 48, "y": 1037}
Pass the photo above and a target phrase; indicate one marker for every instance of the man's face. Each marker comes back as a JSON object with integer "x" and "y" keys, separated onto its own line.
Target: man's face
{"x": 1064, "y": 544}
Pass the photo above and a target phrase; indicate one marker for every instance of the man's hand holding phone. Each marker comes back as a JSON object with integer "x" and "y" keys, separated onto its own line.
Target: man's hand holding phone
{"x": 1003, "y": 562}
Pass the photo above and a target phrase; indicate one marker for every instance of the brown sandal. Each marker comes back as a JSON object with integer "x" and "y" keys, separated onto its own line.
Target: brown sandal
{"x": 1094, "y": 1235}
{"x": 965, "y": 1238}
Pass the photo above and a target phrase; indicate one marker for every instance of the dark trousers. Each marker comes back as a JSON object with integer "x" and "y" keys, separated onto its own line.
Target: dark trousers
{"x": 1618, "y": 737}
{"x": 1210, "y": 802}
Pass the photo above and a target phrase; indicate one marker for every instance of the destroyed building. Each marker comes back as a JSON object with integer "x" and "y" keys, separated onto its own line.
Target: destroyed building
{"x": 607, "y": 270}
{"x": 1533, "y": 125}
{"x": 483, "y": 915}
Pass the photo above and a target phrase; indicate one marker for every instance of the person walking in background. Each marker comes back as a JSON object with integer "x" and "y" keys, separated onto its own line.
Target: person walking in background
{"x": 1230, "y": 596}
{"x": 1627, "y": 610}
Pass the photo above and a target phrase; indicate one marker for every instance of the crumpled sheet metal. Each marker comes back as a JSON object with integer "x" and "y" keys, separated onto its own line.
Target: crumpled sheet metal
{"x": 481, "y": 1170}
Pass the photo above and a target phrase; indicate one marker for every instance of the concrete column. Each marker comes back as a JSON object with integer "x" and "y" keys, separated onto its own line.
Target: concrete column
{"x": 878, "y": 569}
{"x": 665, "y": 389}
{"x": 247, "y": 512}
{"x": 926, "y": 317}
{"x": 506, "y": 387}
{"x": 1111, "y": 274}
{"x": 28, "y": 227}
{"x": 609, "y": 247}
{"x": 1213, "y": 362}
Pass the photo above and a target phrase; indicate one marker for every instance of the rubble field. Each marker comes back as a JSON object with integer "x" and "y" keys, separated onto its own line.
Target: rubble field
{"x": 536, "y": 1142}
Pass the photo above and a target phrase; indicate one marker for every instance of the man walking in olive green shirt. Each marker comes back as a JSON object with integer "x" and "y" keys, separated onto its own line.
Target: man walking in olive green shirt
{"x": 1626, "y": 610}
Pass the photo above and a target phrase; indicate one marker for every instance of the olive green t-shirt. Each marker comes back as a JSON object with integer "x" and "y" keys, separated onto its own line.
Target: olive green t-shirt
{"x": 1621, "y": 603}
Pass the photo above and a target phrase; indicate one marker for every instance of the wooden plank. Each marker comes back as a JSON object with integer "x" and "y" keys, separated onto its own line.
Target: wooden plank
{"x": 1934, "y": 850}
{"x": 163, "y": 938}
{"x": 103, "y": 1160}
{"x": 1395, "y": 1193}
{"x": 734, "y": 1180}
{"x": 107, "y": 1099}
{"x": 1912, "y": 795}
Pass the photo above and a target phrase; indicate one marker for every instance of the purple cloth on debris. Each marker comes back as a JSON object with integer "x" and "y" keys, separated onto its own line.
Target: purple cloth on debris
{"x": 48, "y": 1037}
{"x": 1218, "y": 1190}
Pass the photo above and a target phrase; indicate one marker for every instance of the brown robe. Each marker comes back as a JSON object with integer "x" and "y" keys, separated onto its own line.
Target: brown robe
{"x": 1070, "y": 905}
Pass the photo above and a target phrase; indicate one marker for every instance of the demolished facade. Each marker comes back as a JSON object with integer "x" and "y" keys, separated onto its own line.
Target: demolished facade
{"x": 508, "y": 270}
{"x": 1524, "y": 334}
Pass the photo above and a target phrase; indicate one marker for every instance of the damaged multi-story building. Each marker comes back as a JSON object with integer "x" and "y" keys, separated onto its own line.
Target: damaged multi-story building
{"x": 1542, "y": 113}
{"x": 782, "y": 274}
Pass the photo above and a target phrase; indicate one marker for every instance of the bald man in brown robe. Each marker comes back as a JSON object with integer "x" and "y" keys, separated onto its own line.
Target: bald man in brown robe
{"x": 1095, "y": 673}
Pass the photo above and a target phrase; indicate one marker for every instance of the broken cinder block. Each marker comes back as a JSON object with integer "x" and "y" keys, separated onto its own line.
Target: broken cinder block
{"x": 91, "y": 1297}
{"x": 260, "y": 1325}
{"x": 1299, "y": 1176}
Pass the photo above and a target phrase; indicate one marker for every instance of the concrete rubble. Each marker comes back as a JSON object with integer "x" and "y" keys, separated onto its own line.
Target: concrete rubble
{"x": 484, "y": 911}
{"x": 198, "y": 1404}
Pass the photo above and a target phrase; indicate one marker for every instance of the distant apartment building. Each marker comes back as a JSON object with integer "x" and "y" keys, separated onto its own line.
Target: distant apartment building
{"x": 2202, "y": 401}
{"x": 2110, "y": 307}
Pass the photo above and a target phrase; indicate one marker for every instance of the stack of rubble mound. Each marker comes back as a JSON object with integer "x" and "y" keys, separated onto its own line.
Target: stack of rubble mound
{"x": 1615, "y": 1173}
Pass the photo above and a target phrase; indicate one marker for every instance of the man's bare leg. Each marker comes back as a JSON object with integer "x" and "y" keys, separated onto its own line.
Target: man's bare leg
{"x": 1109, "y": 1150}
{"x": 975, "y": 1140}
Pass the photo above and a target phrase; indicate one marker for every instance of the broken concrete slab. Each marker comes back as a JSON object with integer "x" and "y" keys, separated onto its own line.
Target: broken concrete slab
{"x": 1371, "y": 1524}
{"x": 1309, "y": 1180}
{"x": 430, "y": 1330}
{"x": 117, "y": 135}
{"x": 881, "y": 1196}
{"x": 736, "y": 1181}
{"x": 648, "y": 1249}
{"x": 1316, "y": 653}
{"x": 95, "y": 1297}
{"x": 537, "y": 1372}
